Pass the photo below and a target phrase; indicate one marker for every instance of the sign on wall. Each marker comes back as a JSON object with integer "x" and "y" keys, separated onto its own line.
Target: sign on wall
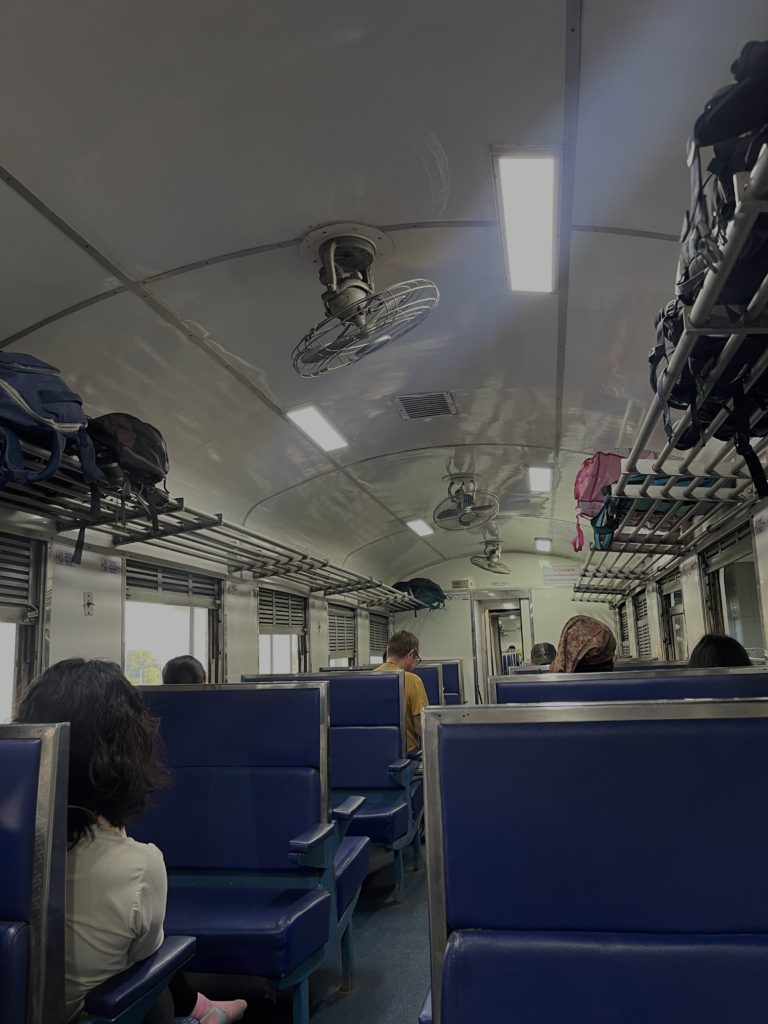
{"x": 560, "y": 575}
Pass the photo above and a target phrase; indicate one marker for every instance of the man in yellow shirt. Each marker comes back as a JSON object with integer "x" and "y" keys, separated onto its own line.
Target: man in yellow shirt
{"x": 403, "y": 653}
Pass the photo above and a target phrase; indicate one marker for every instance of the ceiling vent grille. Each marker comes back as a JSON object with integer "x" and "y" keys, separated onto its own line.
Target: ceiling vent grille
{"x": 422, "y": 407}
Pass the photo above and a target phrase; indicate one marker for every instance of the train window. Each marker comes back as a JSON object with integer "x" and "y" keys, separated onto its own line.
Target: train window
{"x": 282, "y": 631}
{"x": 167, "y": 612}
{"x": 378, "y": 637}
{"x": 642, "y": 625}
{"x": 7, "y": 668}
{"x": 342, "y": 636}
{"x": 279, "y": 652}
{"x": 741, "y": 607}
{"x": 155, "y": 633}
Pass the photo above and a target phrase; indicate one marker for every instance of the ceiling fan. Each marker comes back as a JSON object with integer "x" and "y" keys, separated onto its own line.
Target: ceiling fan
{"x": 466, "y": 506}
{"x": 490, "y": 560}
{"x": 358, "y": 319}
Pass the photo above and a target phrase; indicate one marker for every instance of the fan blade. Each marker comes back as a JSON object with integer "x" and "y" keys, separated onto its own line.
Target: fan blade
{"x": 450, "y": 513}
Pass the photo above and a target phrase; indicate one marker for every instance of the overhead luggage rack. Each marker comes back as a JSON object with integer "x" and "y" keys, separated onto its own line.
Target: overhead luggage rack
{"x": 234, "y": 551}
{"x": 658, "y": 527}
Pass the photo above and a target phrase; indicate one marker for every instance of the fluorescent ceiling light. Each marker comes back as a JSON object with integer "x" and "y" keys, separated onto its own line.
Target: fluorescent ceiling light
{"x": 419, "y": 527}
{"x": 317, "y": 427}
{"x": 543, "y": 544}
{"x": 540, "y": 478}
{"x": 526, "y": 185}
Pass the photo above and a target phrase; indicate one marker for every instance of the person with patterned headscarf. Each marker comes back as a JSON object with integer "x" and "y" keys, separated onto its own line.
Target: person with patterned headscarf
{"x": 586, "y": 645}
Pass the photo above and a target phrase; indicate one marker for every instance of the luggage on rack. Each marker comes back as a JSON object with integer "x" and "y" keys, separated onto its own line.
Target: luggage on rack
{"x": 735, "y": 122}
{"x": 36, "y": 405}
{"x": 421, "y": 589}
{"x": 133, "y": 457}
{"x": 728, "y": 392}
{"x": 670, "y": 509}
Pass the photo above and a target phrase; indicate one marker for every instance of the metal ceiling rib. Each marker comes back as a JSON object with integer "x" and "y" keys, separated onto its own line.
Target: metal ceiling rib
{"x": 646, "y": 547}
{"x": 229, "y": 549}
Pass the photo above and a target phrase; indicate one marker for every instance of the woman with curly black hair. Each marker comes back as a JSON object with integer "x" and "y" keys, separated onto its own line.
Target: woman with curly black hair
{"x": 116, "y": 887}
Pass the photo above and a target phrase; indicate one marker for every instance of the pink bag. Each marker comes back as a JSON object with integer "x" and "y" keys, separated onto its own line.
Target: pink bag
{"x": 597, "y": 472}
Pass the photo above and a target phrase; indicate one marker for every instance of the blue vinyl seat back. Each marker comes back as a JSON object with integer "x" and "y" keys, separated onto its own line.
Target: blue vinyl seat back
{"x": 246, "y": 765}
{"x": 656, "y": 826}
{"x": 610, "y": 687}
{"x": 366, "y": 729}
{"x": 451, "y": 679}
{"x": 19, "y": 773}
{"x": 430, "y": 676}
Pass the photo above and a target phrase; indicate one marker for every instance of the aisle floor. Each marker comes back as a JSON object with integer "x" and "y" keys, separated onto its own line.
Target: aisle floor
{"x": 391, "y": 961}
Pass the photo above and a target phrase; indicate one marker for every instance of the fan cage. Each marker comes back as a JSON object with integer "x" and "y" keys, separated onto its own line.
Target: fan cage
{"x": 335, "y": 343}
{"x": 467, "y": 518}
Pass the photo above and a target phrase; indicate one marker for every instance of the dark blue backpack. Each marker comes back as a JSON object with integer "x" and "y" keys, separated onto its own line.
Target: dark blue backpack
{"x": 36, "y": 405}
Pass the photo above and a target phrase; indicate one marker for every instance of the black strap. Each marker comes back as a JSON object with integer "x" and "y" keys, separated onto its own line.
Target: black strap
{"x": 740, "y": 419}
{"x": 152, "y": 502}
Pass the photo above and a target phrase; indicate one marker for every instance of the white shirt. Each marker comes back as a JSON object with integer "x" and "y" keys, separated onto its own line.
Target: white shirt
{"x": 116, "y": 894}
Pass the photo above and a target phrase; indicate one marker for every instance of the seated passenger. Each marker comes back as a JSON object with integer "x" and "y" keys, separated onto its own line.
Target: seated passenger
{"x": 542, "y": 654}
{"x": 115, "y": 887}
{"x": 183, "y": 670}
{"x": 403, "y": 653}
{"x": 714, "y": 651}
{"x": 586, "y": 645}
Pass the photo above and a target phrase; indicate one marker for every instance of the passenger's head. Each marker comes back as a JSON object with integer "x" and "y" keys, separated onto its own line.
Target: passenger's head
{"x": 586, "y": 645}
{"x": 714, "y": 651}
{"x": 542, "y": 654}
{"x": 511, "y": 649}
{"x": 403, "y": 650}
{"x": 113, "y": 766}
{"x": 184, "y": 669}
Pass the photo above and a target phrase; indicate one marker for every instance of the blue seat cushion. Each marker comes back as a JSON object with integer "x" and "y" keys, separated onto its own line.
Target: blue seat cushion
{"x": 14, "y": 959}
{"x": 604, "y": 978}
{"x": 264, "y": 932}
{"x": 383, "y": 820}
{"x": 350, "y": 865}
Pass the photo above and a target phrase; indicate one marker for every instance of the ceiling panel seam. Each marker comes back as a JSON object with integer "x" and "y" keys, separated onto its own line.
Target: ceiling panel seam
{"x": 195, "y": 336}
{"x": 573, "y": 12}
{"x": 411, "y": 451}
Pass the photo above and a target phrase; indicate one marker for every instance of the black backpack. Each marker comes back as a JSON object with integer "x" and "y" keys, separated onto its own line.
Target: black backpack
{"x": 728, "y": 392}
{"x": 133, "y": 457}
{"x": 421, "y": 589}
{"x": 735, "y": 122}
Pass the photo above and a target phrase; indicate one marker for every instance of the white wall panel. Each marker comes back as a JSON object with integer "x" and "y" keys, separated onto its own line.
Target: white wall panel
{"x": 241, "y": 637}
{"x": 73, "y": 633}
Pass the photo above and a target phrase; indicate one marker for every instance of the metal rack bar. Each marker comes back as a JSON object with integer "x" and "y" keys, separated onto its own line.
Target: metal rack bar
{"x": 653, "y": 549}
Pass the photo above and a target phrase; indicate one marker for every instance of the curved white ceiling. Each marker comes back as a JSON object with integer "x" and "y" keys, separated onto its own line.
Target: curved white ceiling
{"x": 190, "y": 145}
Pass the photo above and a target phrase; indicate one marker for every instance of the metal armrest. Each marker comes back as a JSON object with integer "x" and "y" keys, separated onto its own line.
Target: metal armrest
{"x": 113, "y": 997}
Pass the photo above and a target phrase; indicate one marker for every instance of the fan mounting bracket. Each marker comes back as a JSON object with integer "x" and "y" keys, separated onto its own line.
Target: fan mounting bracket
{"x": 309, "y": 246}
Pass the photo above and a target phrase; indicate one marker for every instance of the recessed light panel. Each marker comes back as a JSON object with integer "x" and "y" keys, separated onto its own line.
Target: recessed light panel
{"x": 526, "y": 186}
{"x": 317, "y": 427}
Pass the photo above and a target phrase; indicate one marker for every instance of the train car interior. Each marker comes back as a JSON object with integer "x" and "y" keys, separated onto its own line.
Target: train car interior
{"x": 383, "y": 432}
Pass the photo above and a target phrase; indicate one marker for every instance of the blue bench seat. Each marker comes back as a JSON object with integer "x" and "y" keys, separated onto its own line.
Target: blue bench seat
{"x": 540, "y": 977}
{"x": 247, "y": 931}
